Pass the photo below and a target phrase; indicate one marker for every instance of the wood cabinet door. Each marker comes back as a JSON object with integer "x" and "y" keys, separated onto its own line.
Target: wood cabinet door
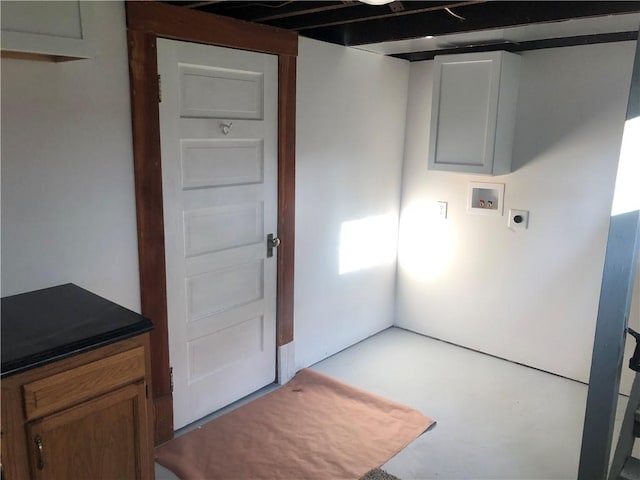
{"x": 104, "y": 438}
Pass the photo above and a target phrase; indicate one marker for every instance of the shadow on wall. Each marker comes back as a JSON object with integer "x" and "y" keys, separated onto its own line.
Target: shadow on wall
{"x": 570, "y": 118}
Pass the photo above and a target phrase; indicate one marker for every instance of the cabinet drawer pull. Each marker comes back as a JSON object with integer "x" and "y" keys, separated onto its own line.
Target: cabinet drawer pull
{"x": 39, "y": 455}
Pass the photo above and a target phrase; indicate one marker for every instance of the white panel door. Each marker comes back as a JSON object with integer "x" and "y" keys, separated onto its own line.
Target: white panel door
{"x": 218, "y": 127}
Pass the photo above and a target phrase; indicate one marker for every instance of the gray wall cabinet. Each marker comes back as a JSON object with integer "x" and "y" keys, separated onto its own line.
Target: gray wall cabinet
{"x": 40, "y": 29}
{"x": 473, "y": 112}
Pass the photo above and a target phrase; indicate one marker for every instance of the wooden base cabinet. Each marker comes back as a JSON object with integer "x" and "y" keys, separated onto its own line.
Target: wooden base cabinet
{"x": 85, "y": 417}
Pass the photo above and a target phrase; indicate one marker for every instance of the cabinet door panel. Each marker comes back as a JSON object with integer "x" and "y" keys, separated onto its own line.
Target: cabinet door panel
{"x": 465, "y": 121}
{"x": 464, "y": 112}
{"x": 105, "y": 438}
{"x": 473, "y": 112}
{"x": 60, "y": 29}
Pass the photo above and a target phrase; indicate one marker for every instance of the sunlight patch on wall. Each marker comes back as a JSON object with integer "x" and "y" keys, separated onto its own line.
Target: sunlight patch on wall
{"x": 427, "y": 242}
{"x": 626, "y": 196}
{"x": 368, "y": 242}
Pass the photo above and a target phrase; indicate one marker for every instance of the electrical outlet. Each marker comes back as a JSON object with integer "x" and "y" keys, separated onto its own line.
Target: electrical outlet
{"x": 442, "y": 210}
{"x": 518, "y": 219}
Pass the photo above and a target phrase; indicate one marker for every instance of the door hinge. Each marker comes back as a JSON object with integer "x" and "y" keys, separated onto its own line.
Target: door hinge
{"x": 171, "y": 378}
{"x": 159, "y": 89}
{"x": 146, "y": 390}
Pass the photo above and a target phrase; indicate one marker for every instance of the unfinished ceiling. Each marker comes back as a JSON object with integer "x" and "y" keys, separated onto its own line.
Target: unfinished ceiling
{"x": 416, "y": 30}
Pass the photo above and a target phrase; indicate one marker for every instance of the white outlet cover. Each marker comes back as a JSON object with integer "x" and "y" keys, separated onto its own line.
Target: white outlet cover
{"x": 524, "y": 220}
{"x": 442, "y": 210}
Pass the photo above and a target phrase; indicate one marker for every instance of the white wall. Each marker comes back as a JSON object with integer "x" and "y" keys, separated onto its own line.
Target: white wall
{"x": 529, "y": 296}
{"x": 68, "y": 210}
{"x": 350, "y": 133}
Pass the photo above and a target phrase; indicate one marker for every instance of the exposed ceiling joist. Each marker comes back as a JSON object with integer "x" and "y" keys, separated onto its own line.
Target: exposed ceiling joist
{"x": 367, "y": 15}
{"x": 354, "y": 23}
{"x": 305, "y": 11}
{"x": 478, "y": 16}
{"x": 521, "y": 46}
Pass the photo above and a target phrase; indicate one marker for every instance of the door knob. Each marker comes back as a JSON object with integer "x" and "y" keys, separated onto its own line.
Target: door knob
{"x": 226, "y": 127}
{"x": 272, "y": 242}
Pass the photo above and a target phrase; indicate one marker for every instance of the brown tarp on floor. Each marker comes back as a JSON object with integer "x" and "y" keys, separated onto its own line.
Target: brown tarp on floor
{"x": 313, "y": 428}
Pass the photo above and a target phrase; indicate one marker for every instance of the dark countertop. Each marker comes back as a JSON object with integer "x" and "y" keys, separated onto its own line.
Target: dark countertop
{"x": 46, "y": 325}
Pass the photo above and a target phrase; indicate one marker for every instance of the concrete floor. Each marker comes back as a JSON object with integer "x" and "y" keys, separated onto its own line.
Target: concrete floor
{"x": 495, "y": 420}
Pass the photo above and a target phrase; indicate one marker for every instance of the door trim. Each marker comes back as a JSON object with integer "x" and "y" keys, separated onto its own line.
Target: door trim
{"x": 146, "y": 21}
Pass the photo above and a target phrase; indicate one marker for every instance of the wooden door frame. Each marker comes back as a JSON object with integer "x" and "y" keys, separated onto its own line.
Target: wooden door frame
{"x": 147, "y": 21}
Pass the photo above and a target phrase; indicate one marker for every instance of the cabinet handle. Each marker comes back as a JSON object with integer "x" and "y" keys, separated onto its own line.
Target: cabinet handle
{"x": 39, "y": 455}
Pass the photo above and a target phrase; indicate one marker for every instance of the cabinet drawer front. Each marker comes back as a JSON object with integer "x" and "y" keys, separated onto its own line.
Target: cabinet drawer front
{"x": 67, "y": 388}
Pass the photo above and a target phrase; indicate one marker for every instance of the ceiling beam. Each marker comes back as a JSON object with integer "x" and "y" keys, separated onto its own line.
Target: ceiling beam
{"x": 258, "y": 11}
{"x": 306, "y": 11}
{"x": 478, "y": 16}
{"x": 366, "y": 13}
{"x": 522, "y": 46}
{"x": 202, "y": 4}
